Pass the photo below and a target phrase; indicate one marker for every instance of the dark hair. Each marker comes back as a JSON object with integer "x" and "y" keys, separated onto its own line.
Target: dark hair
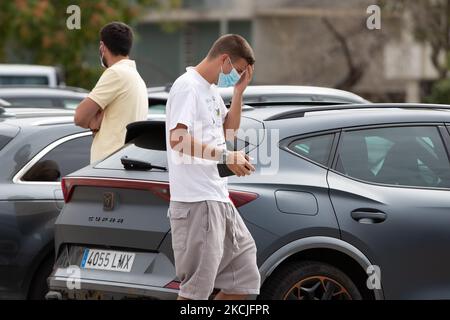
{"x": 117, "y": 37}
{"x": 235, "y": 46}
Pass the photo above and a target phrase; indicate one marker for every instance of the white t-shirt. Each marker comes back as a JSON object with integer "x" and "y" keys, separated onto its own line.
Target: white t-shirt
{"x": 197, "y": 104}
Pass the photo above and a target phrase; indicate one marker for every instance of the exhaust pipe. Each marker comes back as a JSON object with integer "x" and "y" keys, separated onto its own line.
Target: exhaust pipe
{"x": 53, "y": 295}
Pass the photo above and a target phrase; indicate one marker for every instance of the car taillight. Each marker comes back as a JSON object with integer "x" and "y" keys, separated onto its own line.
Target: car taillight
{"x": 240, "y": 198}
{"x": 159, "y": 189}
{"x": 173, "y": 285}
{"x": 66, "y": 189}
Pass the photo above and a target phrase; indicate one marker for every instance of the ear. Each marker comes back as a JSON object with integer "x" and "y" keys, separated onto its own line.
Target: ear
{"x": 223, "y": 58}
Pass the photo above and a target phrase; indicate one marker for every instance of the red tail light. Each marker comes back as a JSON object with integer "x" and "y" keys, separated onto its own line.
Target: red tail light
{"x": 66, "y": 189}
{"x": 173, "y": 285}
{"x": 240, "y": 198}
{"x": 159, "y": 189}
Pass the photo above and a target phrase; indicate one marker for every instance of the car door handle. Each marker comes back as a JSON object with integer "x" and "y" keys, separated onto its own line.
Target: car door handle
{"x": 368, "y": 216}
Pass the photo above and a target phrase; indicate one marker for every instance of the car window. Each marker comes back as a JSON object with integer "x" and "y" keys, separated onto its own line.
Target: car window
{"x": 23, "y": 80}
{"x": 405, "y": 156}
{"x": 145, "y": 147}
{"x": 71, "y": 104}
{"x": 157, "y": 106}
{"x": 32, "y": 102}
{"x": 316, "y": 148}
{"x": 62, "y": 160}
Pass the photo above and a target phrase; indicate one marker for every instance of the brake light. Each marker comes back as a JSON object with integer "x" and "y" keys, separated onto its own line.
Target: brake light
{"x": 159, "y": 189}
{"x": 66, "y": 189}
{"x": 239, "y": 198}
{"x": 173, "y": 285}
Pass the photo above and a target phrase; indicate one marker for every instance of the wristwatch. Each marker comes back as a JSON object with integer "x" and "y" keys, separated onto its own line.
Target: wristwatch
{"x": 224, "y": 156}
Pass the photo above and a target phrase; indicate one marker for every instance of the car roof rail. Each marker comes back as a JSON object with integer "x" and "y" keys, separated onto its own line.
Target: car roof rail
{"x": 300, "y": 112}
{"x": 294, "y": 102}
{"x": 37, "y": 86}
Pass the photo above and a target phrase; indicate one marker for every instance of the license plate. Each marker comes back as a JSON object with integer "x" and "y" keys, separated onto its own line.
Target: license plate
{"x": 107, "y": 260}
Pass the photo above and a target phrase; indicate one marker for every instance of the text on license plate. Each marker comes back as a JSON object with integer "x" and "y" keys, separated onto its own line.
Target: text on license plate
{"x": 107, "y": 260}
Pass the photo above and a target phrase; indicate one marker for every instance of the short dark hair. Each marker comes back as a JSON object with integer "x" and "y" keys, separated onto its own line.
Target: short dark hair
{"x": 117, "y": 37}
{"x": 235, "y": 46}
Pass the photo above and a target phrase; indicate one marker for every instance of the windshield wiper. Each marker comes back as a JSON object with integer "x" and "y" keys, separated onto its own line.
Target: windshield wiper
{"x": 134, "y": 164}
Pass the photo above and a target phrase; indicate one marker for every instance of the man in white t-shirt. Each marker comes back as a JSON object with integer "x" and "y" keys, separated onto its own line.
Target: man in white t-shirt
{"x": 212, "y": 246}
{"x": 119, "y": 97}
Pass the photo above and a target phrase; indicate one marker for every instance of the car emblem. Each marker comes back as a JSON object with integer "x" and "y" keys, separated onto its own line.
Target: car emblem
{"x": 108, "y": 201}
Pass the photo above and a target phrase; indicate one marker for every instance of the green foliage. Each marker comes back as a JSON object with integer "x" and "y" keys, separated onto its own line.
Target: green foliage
{"x": 440, "y": 92}
{"x": 35, "y": 31}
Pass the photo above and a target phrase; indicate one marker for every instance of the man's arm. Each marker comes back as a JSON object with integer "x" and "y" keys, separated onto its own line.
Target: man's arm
{"x": 233, "y": 119}
{"x": 88, "y": 114}
{"x": 181, "y": 141}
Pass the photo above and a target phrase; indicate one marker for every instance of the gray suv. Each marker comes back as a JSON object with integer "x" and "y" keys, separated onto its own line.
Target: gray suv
{"x": 37, "y": 148}
{"x": 359, "y": 208}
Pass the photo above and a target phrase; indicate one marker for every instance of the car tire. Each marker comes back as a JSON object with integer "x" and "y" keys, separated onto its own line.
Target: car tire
{"x": 39, "y": 285}
{"x": 309, "y": 280}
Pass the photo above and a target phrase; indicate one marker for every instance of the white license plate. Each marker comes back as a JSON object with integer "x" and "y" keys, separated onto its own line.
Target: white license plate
{"x": 107, "y": 260}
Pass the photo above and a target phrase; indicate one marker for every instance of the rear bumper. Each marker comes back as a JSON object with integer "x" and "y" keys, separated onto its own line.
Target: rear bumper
{"x": 150, "y": 277}
{"x": 98, "y": 289}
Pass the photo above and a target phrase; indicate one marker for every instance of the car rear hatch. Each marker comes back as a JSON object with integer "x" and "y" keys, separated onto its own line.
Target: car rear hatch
{"x": 123, "y": 211}
{"x": 107, "y": 205}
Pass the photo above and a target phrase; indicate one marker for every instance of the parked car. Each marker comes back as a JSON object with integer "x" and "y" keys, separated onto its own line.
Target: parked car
{"x": 23, "y": 74}
{"x": 43, "y": 97}
{"x": 262, "y": 95}
{"x": 36, "y": 150}
{"x": 38, "y": 131}
{"x": 359, "y": 189}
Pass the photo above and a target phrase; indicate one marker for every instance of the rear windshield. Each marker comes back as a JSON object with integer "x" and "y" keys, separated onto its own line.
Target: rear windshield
{"x": 7, "y": 133}
{"x": 143, "y": 148}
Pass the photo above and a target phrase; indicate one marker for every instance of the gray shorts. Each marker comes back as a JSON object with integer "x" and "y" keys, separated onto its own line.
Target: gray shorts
{"x": 212, "y": 249}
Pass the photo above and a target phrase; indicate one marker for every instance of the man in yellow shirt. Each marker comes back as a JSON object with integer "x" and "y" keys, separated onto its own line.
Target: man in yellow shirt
{"x": 119, "y": 97}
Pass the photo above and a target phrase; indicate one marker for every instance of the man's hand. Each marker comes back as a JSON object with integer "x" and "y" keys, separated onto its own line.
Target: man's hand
{"x": 239, "y": 163}
{"x": 233, "y": 118}
{"x": 96, "y": 122}
{"x": 86, "y": 112}
{"x": 246, "y": 78}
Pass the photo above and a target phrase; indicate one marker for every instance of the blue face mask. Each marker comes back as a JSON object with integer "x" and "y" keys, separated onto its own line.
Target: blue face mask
{"x": 228, "y": 80}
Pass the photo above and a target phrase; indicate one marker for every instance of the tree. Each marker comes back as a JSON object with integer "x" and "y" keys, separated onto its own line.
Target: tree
{"x": 35, "y": 31}
{"x": 355, "y": 71}
{"x": 430, "y": 22}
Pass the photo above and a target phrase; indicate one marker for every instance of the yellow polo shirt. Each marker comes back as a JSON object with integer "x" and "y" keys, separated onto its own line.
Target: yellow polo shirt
{"x": 122, "y": 94}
